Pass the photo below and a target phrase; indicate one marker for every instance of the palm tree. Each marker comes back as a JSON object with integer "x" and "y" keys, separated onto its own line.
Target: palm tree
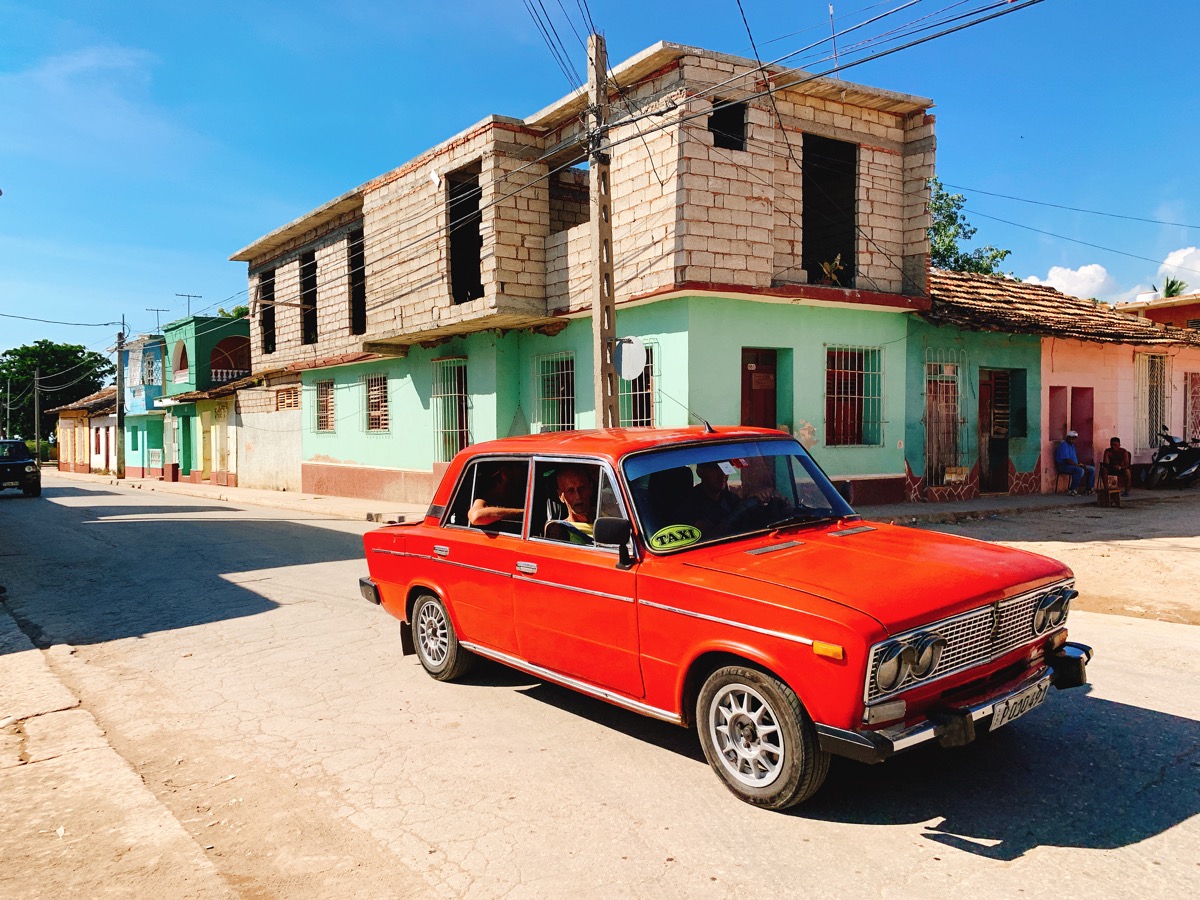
{"x": 1173, "y": 287}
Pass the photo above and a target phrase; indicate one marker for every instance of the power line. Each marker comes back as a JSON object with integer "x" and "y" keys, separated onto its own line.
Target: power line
{"x": 55, "y": 322}
{"x": 1093, "y": 212}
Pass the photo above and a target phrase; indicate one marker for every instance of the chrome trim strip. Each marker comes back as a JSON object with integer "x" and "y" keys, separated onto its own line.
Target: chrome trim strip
{"x": 389, "y": 552}
{"x": 918, "y": 734}
{"x": 571, "y": 587}
{"x": 695, "y": 615}
{"x": 582, "y": 686}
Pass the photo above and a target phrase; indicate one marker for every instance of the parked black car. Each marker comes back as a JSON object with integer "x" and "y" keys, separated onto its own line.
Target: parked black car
{"x": 18, "y": 469}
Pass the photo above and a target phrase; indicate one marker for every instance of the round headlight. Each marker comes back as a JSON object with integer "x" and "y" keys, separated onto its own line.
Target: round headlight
{"x": 895, "y": 662}
{"x": 31, "y": 468}
{"x": 927, "y": 652}
{"x": 1042, "y": 615}
{"x": 1057, "y": 613}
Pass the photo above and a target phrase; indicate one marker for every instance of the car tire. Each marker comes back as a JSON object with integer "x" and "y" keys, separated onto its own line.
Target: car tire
{"x": 436, "y": 641}
{"x": 759, "y": 739}
{"x": 35, "y": 491}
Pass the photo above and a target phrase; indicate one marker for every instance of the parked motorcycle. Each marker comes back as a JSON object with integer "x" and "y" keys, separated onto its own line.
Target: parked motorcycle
{"x": 1176, "y": 462}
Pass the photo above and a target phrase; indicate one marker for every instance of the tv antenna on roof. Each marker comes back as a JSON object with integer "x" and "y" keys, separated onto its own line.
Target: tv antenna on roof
{"x": 190, "y": 298}
{"x": 156, "y": 310}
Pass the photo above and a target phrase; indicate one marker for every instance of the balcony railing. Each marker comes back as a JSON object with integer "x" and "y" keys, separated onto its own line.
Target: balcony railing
{"x": 180, "y": 376}
{"x": 221, "y": 376}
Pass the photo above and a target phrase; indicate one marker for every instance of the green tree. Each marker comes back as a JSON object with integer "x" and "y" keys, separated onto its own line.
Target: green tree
{"x": 238, "y": 312}
{"x": 69, "y": 372}
{"x": 950, "y": 228}
{"x": 1173, "y": 287}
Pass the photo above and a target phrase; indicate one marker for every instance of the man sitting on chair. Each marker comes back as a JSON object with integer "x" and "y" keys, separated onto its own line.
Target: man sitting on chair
{"x": 1116, "y": 461}
{"x": 1067, "y": 463}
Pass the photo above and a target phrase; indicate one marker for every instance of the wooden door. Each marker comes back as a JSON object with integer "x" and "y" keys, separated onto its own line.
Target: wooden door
{"x": 759, "y": 396}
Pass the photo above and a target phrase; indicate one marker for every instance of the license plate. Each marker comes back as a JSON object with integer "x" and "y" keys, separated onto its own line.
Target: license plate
{"x": 12, "y": 484}
{"x": 1019, "y": 704}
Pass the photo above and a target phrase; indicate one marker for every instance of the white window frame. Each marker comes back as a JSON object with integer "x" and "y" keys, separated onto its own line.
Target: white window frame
{"x": 871, "y": 421}
{"x": 450, "y": 401}
{"x": 554, "y": 392}
{"x": 631, "y": 396}
{"x": 1153, "y": 406}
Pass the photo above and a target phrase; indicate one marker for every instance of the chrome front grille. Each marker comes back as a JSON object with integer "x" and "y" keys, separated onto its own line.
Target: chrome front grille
{"x": 972, "y": 638}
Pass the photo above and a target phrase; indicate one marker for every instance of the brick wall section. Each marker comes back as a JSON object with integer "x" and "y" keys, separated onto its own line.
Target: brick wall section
{"x": 683, "y": 210}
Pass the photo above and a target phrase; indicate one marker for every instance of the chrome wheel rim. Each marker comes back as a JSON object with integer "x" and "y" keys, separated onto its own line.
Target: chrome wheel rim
{"x": 746, "y": 733}
{"x": 433, "y": 634}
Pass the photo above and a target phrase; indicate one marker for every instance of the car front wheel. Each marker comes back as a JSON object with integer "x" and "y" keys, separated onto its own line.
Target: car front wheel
{"x": 759, "y": 739}
{"x": 436, "y": 642}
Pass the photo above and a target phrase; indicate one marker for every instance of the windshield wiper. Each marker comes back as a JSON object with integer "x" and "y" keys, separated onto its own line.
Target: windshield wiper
{"x": 806, "y": 518}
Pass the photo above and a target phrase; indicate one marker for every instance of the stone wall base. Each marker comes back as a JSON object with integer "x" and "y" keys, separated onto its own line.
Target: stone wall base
{"x": 393, "y": 485}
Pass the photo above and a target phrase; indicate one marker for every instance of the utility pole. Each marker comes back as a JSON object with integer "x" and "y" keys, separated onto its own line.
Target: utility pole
{"x": 37, "y": 418}
{"x": 190, "y": 298}
{"x": 8, "y": 409}
{"x": 121, "y": 401}
{"x": 604, "y": 308}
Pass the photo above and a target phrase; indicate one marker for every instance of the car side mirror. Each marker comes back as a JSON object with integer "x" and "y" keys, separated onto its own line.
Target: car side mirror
{"x": 845, "y": 490}
{"x": 613, "y": 530}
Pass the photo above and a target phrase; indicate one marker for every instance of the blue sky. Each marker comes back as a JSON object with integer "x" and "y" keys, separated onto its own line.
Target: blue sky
{"x": 142, "y": 143}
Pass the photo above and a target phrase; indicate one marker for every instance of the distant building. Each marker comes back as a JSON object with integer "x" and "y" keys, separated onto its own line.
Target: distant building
{"x": 86, "y": 433}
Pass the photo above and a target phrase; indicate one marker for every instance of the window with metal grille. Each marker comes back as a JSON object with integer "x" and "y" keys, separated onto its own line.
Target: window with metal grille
{"x": 637, "y": 398}
{"x": 1193, "y": 323}
{"x": 944, "y": 419}
{"x": 376, "y": 389}
{"x": 1191, "y": 414}
{"x": 1153, "y": 372}
{"x": 451, "y": 407}
{"x": 554, "y": 382}
{"x": 326, "y": 420}
{"x": 853, "y": 396}
{"x": 288, "y": 398}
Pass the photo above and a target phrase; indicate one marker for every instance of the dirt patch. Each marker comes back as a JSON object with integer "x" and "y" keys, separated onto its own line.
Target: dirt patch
{"x": 1140, "y": 560}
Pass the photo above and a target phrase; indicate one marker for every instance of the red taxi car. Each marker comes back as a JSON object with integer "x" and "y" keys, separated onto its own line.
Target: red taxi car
{"x": 716, "y": 577}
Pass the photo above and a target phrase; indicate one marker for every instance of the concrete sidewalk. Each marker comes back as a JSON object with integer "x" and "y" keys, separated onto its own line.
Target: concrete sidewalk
{"x": 382, "y": 511}
{"x": 78, "y": 821}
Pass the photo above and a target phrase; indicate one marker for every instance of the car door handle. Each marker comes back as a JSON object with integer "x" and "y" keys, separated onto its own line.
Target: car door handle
{"x": 529, "y": 568}
{"x": 441, "y": 549}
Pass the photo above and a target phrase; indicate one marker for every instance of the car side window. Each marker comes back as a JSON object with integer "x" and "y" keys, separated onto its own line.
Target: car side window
{"x": 491, "y": 496}
{"x": 567, "y": 498}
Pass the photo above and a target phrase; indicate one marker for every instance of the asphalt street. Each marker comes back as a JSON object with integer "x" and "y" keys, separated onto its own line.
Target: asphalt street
{"x": 196, "y": 695}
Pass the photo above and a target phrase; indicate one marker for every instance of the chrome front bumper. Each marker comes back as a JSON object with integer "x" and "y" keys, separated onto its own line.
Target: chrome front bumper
{"x": 1066, "y": 668}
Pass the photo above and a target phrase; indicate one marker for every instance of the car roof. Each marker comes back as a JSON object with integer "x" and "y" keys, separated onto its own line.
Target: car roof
{"x": 615, "y": 443}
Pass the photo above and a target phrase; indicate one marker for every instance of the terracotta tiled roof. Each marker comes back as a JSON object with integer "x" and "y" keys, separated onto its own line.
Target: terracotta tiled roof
{"x": 99, "y": 403}
{"x": 995, "y": 303}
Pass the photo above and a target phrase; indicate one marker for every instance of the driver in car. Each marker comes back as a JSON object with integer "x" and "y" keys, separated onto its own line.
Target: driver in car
{"x": 716, "y": 509}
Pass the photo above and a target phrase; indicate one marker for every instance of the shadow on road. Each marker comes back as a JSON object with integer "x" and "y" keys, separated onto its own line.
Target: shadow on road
{"x": 1078, "y": 772}
{"x": 112, "y": 569}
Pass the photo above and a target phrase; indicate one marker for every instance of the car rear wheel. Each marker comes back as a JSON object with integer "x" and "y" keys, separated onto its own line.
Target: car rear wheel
{"x": 759, "y": 739}
{"x": 436, "y": 642}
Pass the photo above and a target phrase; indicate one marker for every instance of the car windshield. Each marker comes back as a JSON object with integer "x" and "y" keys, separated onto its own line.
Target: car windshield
{"x": 707, "y": 492}
{"x": 14, "y": 450}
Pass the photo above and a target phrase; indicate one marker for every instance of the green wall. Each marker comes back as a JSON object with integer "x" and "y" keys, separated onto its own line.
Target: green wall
{"x": 697, "y": 343}
{"x": 983, "y": 350}
{"x": 149, "y": 430}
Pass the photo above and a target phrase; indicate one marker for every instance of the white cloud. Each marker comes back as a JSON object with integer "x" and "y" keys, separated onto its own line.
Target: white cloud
{"x": 1087, "y": 281}
{"x": 91, "y": 108}
{"x": 1183, "y": 264}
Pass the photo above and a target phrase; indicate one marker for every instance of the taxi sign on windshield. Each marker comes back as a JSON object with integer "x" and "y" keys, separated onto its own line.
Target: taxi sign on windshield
{"x": 673, "y": 537}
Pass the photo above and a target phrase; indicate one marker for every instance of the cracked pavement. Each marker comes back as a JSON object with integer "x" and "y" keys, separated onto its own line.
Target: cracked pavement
{"x": 195, "y": 692}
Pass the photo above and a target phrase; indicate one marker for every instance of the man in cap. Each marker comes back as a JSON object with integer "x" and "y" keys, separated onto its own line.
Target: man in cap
{"x": 1066, "y": 461}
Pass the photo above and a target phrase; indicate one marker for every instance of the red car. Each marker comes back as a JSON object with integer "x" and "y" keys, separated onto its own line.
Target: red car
{"x": 717, "y": 578}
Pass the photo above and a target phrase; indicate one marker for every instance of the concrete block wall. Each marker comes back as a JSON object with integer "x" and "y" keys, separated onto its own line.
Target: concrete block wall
{"x": 920, "y": 149}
